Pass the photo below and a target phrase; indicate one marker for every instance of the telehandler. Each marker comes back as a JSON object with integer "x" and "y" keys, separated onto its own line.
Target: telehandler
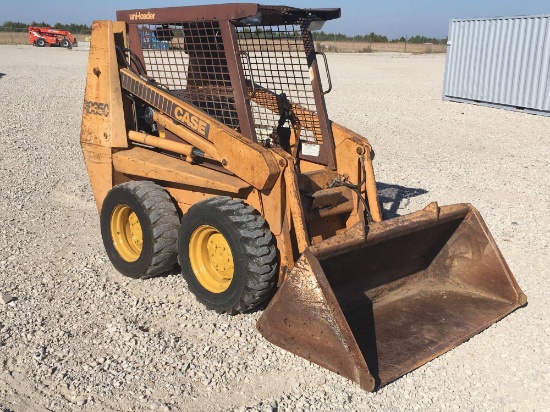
{"x": 216, "y": 152}
{"x": 42, "y": 36}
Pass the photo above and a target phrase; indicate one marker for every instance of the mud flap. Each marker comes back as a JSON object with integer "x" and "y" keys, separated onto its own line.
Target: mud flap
{"x": 373, "y": 307}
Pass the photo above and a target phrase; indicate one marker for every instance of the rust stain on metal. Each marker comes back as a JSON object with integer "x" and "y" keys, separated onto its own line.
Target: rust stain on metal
{"x": 374, "y": 308}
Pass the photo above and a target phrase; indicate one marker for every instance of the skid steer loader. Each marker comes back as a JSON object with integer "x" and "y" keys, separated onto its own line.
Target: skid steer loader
{"x": 216, "y": 151}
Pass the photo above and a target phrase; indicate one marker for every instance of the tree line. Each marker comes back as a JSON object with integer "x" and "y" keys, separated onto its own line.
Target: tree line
{"x": 317, "y": 35}
{"x": 259, "y": 32}
{"x": 72, "y": 27}
{"x": 375, "y": 38}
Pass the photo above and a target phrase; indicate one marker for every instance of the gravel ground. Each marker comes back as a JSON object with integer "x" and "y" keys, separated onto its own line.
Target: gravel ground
{"x": 78, "y": 335}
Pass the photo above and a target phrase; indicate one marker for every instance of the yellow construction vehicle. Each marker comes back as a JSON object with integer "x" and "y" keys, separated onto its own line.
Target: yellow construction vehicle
{"x": 207, "y": 141}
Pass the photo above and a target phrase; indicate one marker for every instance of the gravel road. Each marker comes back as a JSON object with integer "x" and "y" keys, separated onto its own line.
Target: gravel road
{"x": 76, "y": 335}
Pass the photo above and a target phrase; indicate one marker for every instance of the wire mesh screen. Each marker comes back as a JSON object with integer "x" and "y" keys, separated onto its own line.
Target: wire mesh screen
{"x": 189, "y": 60}
{"x": 279, "y": 65}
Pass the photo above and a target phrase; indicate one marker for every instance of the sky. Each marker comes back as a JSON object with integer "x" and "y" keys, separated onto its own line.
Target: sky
{"x": 392, "y": 18}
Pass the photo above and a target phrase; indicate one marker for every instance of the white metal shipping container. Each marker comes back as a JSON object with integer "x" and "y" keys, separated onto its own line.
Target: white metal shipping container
{"x": 502, "y": 62}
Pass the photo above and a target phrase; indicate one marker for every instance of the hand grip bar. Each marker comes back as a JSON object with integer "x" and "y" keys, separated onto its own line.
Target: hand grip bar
{"x": 328, "y": 73}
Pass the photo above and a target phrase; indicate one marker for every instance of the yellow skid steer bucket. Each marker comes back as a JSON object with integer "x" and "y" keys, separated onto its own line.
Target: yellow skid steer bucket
{"x": 373, "y": 307}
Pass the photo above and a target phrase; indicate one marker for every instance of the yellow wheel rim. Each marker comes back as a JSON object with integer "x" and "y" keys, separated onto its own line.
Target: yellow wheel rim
{"x": 211, "y": 259}
{"x": 126, "y": 233}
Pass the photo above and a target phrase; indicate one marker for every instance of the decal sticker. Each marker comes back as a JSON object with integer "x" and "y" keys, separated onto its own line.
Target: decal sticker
{"x": 142, "y": 16}
{"x": 310, "y": 149}
{"x": 191, "y": 121}
{"x": 96, "y": 108}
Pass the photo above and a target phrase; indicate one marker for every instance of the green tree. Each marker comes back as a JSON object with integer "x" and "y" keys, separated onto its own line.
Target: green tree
{"x": 15, "y": 25}
{"x": 72, "y": 27}
{"x": 41, "y": 24}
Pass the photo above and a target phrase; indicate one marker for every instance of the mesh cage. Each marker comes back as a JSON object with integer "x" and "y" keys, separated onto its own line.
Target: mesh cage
{"x": 278, "y": 61}
{"x": 189, "y": 60}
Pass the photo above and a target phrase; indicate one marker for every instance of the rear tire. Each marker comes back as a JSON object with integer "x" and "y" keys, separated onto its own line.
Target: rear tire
{"x": 40, "y": 42}
{"x": 227, "y": 255}
{"x": 139, "y": 227}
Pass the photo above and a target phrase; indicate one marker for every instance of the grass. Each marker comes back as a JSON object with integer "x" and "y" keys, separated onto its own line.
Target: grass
{"x": 14, "y": 37}
{"x": 367, "y": 47}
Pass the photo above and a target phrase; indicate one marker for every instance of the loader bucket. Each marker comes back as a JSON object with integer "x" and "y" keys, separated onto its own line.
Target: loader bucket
{"x": 373, "y": 307}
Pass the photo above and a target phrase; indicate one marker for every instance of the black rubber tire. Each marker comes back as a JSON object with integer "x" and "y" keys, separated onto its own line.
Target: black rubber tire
{"x": 159, "y": 222}
{"x": 252, "y": 245}
{"x": 40, "y": 42}
{"x": 65, "y": 43}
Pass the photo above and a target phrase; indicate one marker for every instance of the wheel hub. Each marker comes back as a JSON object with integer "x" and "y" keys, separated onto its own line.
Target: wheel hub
{"x": 126, "y": 233}
{"x": 211, "y": 259}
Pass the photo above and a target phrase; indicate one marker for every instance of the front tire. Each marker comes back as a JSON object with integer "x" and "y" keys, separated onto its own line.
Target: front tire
{"x": 227, "y": 255}
{"x": 65, "y": 43}
{"x": 139, "y": 227}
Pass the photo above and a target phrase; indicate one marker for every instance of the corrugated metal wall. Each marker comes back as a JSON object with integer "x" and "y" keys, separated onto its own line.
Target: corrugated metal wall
{"x": 501, "y": 62}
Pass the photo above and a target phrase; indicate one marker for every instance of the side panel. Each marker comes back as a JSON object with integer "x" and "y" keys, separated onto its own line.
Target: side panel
{"x": 156, "y": 166}
{"x": 102, "y": 115}
{"x": 103, "y": 125}
{"x": 99, "y": 163}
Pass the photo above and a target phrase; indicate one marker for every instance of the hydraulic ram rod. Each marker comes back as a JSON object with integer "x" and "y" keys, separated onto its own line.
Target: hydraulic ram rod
{"x": 186, "y": 134}
{"x": 181, "y": 148}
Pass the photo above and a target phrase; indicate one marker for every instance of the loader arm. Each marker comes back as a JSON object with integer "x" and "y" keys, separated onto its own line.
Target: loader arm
{"x": 261, "y": 169}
